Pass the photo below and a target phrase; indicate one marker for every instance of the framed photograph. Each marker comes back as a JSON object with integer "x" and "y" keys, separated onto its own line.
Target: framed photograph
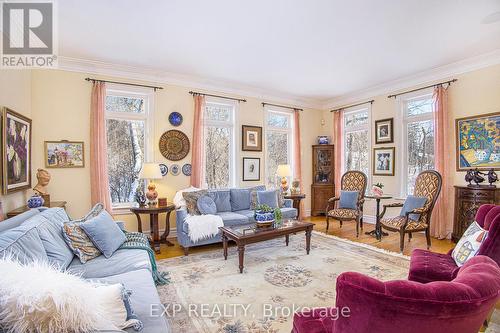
{"x": 16, "y": 150}
{"x": 478, "y": 142}
{"x": 64, "y": 154}
{"x": 251, "y": 138}
{"x": 383, "y": 161}
{"x": 251, "y": 169}
{"x": 384, "y": 131}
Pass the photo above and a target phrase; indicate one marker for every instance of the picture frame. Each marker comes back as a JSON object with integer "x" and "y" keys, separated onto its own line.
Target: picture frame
{"x": 478, "y": 142}
{"x": 64, "y": 154}
{"x": 384, "y": 131}
{"x": 251, "y": 138}
{"x": 384, "y": 159}
{"x": 16, "y": 150}
{"x": 251, "y": 169}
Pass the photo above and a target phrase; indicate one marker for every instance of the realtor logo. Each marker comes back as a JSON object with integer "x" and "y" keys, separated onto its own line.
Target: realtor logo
{"x": 28, "y": 34}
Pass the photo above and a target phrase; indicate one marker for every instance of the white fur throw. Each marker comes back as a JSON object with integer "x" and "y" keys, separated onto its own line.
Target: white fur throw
{"x": 36, "y": 297}
{"x": 203, "y": 226}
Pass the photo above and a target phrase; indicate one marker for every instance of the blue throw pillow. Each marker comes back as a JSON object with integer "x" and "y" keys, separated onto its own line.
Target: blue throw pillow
{"x": 268, "y": 198}
{"x": 206, "y": 205}
{"x": 412, "y": 202}
{"x": 348, "y": 199}
{"x": 240, "y": 199}
{"x": 104, "y": 233}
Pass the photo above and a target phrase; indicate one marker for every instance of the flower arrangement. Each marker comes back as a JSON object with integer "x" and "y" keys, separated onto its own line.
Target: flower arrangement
{"x": 377, "y": 189}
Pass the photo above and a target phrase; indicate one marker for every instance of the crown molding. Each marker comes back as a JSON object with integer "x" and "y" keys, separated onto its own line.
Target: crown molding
{"x": 418, "y": 79}
{"x": 151, "y": 75}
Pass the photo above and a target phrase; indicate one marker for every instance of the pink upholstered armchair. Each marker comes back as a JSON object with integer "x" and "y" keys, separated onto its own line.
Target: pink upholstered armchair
{"x": 426, "y": 266}
{"x": 458, "y": 306}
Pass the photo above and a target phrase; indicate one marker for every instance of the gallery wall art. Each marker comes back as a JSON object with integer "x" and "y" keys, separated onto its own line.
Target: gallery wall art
{"x": 251, "y": 138}
{"x": 383, "y": 161}
{"x": 384, "y": 131}
{"x": 251, "y": 169}
{"x": 64, "y": 154}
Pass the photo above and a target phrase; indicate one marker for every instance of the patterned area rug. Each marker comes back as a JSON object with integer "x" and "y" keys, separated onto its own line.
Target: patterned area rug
{"x": 207, "y": 293}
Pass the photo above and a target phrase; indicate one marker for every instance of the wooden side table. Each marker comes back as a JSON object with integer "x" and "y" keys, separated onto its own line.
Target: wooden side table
{"x": 25, "y": 208}
{"x": 154, "y": 211}
{"x": 296, "y": 201}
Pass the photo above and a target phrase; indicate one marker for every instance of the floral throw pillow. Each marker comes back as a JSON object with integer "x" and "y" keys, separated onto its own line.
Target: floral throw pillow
{"x": 191, "y": 199}
{"x": 469, "y": 244}
{"x": 79, "y": 242}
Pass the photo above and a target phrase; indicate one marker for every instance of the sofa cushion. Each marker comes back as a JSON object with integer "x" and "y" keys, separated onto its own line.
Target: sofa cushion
{"x": 24, "y": 243}
{"x": 288, "y": 213}
{"x": 427, "y": 266}
{"x": 268, "y": 198}
{"x": 124, "y": 260}
{"x": 231, "y": 218}
{"x": 17, "y": 220}
{"x": 222, "y": 200}
{"x": 104, "y": 233}
{"x": 206, "y": 205}
{"x": 240, "y": 199}
{"x": 79, "y": 242}
{"x": 248, "y": 213}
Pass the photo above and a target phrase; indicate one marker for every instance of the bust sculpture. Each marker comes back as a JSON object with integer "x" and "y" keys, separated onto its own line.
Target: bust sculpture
{"x": 43, "y": 177}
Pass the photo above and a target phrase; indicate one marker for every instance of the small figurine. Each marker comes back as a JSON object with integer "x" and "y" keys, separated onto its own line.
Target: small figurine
{"x": 492, "y": 177}
{"x": 140, "y": 197}
{"x": 469, "y": 176}
{"x": 477, "y": 178}
{"x": 43, "y": 177}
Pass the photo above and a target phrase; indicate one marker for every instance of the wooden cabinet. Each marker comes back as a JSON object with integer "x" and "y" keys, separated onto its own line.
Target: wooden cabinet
{"x": 323, "y": 187}
{"x": 467, "y": 200}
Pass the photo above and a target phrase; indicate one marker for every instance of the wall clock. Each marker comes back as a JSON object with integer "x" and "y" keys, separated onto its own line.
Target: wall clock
{"x": 174, "y": 145}
{"x": 175, "y": 118}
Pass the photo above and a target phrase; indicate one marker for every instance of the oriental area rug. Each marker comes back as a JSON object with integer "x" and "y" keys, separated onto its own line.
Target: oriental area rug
{"x": 208, "y": 294}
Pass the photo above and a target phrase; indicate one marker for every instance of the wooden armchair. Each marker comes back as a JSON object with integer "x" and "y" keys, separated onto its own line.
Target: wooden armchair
{"x": 428, "y": 184}
{"x": 351, "y": 181}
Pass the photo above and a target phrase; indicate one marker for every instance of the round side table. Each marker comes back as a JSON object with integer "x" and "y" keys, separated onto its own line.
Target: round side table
{"x": 377, "y": 232}
{"x": 154, "y": 211}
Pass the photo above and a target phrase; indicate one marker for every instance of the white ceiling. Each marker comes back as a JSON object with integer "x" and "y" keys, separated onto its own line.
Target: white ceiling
{"x": 311, "y": 49}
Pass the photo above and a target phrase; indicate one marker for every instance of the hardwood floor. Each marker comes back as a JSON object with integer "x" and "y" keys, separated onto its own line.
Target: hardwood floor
{"x": 348, "y": 231}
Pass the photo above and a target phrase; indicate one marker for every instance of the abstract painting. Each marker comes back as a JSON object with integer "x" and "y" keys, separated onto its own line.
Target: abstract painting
{"x": 478, "y": 142}
{"x": 64, "y": 154}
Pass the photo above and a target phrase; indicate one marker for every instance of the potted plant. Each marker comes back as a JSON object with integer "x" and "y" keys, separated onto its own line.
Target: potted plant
{"x": 377, "y": 189}
{"x": 264, "y": 215}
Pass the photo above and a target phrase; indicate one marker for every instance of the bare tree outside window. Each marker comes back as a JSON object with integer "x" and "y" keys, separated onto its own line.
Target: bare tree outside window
{"x": 356, "y": 141}
{"x": 278, "y": 141}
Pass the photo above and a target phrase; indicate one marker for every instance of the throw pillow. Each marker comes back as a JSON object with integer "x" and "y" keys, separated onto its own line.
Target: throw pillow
{"x": 36, "y": 297}
{"x": 104, "y": 233}
{"x": 222, "y": 199}
{"x": 206, "y": 205}
{"x": 240, "y": 199}
{"x": 253, "y": 195}
{"x": 412, "y": 202}
{"x": 469, "y": 244}
{"x": 269, "y": 198}
{"x": 191, "y": 199}
{"x": 179, "y": 201}
{"x": 79, "y": 242}
{"x": 348, "y": 199}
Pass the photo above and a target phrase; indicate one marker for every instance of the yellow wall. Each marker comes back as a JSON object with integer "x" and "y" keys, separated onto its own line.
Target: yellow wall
{"x": 61, "y": 103}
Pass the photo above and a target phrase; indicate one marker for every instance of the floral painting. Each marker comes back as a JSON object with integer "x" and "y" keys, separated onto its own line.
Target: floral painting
{"x": 478, "y": 142}
{"x": 64, "y": 154}
{"x": 16, "y": 149}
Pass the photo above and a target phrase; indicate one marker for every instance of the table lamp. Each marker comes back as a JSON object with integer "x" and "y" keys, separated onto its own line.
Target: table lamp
{"x": 284, "y": 171}
{"x": 151, "y": 171}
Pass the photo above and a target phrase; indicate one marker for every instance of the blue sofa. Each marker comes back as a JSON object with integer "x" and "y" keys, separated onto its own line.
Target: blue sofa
{"x": 37, "y": 234}
{"x": 233, "y": 206}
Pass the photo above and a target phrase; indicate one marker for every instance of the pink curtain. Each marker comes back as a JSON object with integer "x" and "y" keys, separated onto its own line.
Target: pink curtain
{"x": 197, "y": 154}
{"x": 297, "y": 160}
{"x": 337, "y": 141}
{"x": 441, "y": 224}
{"x": 99, "y": 182}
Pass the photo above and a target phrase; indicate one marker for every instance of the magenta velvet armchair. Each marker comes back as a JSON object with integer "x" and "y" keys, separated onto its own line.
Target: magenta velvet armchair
{"x": 426, "y": 266}
{"x": 458, "y": 306}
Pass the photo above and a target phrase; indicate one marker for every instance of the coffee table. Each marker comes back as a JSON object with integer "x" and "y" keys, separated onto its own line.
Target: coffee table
{"x": 251, "y": 234}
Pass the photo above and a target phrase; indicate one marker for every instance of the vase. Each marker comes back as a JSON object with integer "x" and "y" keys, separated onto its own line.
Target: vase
{"x": 377, "y": 191}
{"x": 35, "y": 201}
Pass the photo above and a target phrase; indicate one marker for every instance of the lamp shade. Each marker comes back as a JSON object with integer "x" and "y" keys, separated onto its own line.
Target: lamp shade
{"x": 150, "y": 171}
{"x": 284, "y": 170}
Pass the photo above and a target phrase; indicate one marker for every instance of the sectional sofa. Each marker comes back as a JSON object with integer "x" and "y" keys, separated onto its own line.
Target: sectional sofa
{"x": 234, "y": 207}
{"x": 37, "y": 234}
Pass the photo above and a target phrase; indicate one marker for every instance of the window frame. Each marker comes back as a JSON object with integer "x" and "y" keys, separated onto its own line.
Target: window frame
{"x": 268, "y": 110}
{"x": 404, "y": 121}
{"x": 231, "y": 125}
{"x": 149, "y": 107}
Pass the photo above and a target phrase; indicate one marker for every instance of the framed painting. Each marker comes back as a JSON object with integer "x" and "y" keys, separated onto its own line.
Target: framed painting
{"x": 16, "y": 150}
{"x": 383, "y": 161}
{"x": 384, "y": 131}
{"x": 478, "y": 142}
{"x": 64, "y": 154}
{"x": 251, "y": 169}
{"x": 251, "y": 138}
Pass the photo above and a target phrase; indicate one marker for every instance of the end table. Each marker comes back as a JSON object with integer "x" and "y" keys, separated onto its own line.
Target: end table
{"x": 296, "y": 201}
{"x": 25, "y": 208}
{"x": 154, "y": 211}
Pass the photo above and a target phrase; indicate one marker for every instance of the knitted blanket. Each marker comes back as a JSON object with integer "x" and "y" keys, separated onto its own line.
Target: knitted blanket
{"x": 137, "y": 240}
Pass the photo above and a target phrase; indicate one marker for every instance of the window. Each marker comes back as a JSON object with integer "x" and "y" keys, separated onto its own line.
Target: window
{"x": 128, "y": 114}
{"x": 279, "y": 138}
{"x": 418, "y": 139}
{"x": 357, "y": 143}
{"x": 220, "y": 144}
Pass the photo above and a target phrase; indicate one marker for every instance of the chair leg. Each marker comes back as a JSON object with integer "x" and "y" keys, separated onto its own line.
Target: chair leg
{"x": 357, "y": 227}
{"x": 401, "y": 240}
{"x": 409, "y": 236}
{"x": 340, "y": 223}
{"x": 327, "y": 223}
{"x": 361, "y": 222}
{"x": 428, "y": 236}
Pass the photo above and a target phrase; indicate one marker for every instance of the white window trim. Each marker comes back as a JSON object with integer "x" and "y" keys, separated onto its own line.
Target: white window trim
{"x": 233, "y": 143}
{"x": 148, "y": 116}
{"x": 268, "y": 109}
{"x": 402, "y": 141}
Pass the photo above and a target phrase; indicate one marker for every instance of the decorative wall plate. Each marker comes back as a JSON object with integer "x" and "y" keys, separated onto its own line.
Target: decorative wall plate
{"x": 174, "y": 145}
{"x": 186, "y": 169}
{"x": 163, "y": 169}
{"x": 175, "y": 118}
{"x": 175, "y": 169}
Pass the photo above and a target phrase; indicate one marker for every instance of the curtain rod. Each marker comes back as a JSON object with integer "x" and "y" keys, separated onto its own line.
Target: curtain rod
{"x": 231, "y": 98}
{"x": 430, "y": 86}
{"x": 124, "y": 83}
{"x": 353, "y": 105}
{"x": 282, "y": 106}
